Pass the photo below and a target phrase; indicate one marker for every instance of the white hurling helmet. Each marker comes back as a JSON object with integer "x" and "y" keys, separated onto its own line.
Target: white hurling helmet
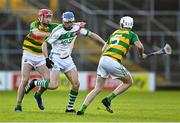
{"x": 126, "y": 22}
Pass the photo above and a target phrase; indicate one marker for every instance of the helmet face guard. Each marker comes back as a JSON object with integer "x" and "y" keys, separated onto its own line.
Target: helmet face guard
{"x": 68, "y": 17}
{"x": 45, "y": 16}
{"x": 126, "y": 22}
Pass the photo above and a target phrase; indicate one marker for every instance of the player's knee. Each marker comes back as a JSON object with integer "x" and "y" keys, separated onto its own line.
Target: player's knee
{"x": 127, "y": 80}
{"x": 130, "y": 84}
{"x": 97, "y": 90}
{"x": 53, "y": 85}
{"x": 47, "y": 77}
{"x": 130, "y": 81}
{"x": 24, "y": 81}
{"x": 56, "y": 85}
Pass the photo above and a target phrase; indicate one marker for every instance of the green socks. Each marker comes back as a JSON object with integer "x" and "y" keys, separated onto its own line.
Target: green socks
{"x": 111, "y": 96}
{"x": 83, "y": 108}
{"x": 42, "y": 83}
{"x": 72, "y": 98}
{"x": 19, "y": 103}
{"x": 41, "y": 91}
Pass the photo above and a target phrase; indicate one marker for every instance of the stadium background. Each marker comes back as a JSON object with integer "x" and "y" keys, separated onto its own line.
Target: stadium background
{"x": 155, "y": 21}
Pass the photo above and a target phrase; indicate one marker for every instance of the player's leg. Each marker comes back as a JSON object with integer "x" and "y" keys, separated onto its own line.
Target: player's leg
{"x": 25, "y": 72}
{"x": 126, "y": 82}
{"x": 54, "y": 77}
{"x": 72, "y": 76}
{"x": 89, "y": 98}
{"x": 44, "y": 71}
{"x": 102, "y": 74}
{"x": 119, "y": 72}
{"x": 52, "y": 84}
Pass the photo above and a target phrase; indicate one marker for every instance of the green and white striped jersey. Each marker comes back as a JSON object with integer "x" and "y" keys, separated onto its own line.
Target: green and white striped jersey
{"x": 62, "y": 41}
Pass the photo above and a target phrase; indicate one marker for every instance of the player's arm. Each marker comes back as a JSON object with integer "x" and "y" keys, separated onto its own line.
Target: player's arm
{"x": 90, "y": 34}
{"x": 51, "y": 39}
{"x": 49, "y": 63}
{"x": 140, "y": 47}
{"x": 81, "y": 24}
{"x": 45, "y": 49}
{"x": 36, "y": 32}
{"x": 104, "y": 47}
{"x": 106, "y": 44}
{"x": 96, "y": 37}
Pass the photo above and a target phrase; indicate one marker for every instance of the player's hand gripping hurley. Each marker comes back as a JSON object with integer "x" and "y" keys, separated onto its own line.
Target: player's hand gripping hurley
{"x": 166, "y": 50}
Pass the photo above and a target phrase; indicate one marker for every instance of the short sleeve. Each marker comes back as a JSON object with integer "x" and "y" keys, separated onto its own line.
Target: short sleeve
{"x": 33, "y": 25}
{"x": 108, "y": 40}
{"x": 54, "y": 25}
{"x": 134, "y": 38}
{"x": 52, "y": 38}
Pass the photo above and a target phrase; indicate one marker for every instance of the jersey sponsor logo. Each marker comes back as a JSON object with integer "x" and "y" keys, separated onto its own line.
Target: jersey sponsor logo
{"x": 67, "y": 41}
{"x": 67, "y": 38}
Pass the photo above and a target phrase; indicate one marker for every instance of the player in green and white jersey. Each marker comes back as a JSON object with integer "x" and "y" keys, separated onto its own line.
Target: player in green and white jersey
{"x": 62, "y": 41}
{"x": 114, "y": 50}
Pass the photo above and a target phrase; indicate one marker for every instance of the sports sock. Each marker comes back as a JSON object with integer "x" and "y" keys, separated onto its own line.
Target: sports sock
{"x": 111, "y": 96}
{"x": 72, "y": 98}
{"x": 42, "y": 83}
{"x": 18, "y": 103}
{"x": 41, "y": 91}
{"x": 83, "y": 108}
{"x": 38, "y": 93}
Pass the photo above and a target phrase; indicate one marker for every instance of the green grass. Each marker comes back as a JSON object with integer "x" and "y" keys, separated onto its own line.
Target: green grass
{"x": 131, "y": 106}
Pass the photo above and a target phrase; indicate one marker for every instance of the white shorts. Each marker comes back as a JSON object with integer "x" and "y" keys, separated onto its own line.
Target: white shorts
{"x": 62, "y": 65}
{"x": 33, "y": 60}
{"x": 108, "y": 66}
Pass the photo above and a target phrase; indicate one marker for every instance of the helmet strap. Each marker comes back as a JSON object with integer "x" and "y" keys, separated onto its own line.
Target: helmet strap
{"x": 121, "y": 25}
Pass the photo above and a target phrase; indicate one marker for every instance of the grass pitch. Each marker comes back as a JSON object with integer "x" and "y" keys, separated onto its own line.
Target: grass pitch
{"x": 131, "y": 106}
